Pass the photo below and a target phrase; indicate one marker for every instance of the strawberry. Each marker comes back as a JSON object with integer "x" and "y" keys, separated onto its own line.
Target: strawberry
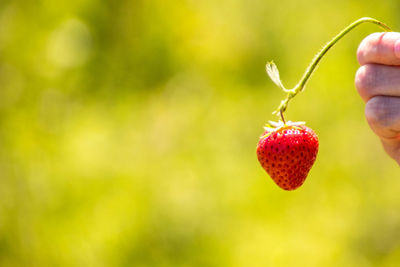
{"x": 287, "y": 152}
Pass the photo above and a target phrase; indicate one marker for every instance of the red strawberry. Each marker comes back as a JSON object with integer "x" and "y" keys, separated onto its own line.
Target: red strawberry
{"x": 287, "y": 153}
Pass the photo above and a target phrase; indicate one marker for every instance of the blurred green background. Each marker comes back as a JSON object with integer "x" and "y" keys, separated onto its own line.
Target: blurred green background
{"x": 128, "y": 131}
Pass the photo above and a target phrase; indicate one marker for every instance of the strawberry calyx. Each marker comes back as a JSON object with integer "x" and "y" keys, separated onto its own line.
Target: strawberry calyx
{"x": 273, "y": 126}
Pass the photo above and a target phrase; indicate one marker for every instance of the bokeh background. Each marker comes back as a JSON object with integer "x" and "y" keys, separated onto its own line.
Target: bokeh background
{"x": 128, "y": 131}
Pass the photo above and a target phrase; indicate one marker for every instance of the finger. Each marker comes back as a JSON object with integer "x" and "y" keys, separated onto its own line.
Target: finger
{"x": 380, "y": 48}
{"x": 383, "y": 116}
{"x": 372, "y": 80}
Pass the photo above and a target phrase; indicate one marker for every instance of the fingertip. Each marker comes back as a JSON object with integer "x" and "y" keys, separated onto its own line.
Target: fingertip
{"x": 397, "y": 48}
{"x": 364, "y": 81}
{"x": 360, "y": 54}
{"x": 383, "y": 116}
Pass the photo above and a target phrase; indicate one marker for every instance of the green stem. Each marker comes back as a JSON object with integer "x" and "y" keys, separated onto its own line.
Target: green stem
{"x": 300, "y": 86}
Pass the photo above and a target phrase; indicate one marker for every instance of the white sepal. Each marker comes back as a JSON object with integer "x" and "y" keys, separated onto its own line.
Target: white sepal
{"x": 273, "y": 73}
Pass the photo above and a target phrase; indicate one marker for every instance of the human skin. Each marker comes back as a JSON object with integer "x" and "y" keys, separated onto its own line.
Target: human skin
{"x": 378, "y": 83}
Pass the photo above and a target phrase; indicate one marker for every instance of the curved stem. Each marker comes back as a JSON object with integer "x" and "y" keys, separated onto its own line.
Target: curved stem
{"x": 310, "y": 69}
{"x": 325, "y": 49}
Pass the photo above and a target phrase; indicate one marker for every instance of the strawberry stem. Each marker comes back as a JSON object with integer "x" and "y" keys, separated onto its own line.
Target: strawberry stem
{"x": 291, "y": 93}
{"x": 282, "y": 117}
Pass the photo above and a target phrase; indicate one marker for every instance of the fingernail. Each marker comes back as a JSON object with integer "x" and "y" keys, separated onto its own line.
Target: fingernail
{"x": 397, "y": 48}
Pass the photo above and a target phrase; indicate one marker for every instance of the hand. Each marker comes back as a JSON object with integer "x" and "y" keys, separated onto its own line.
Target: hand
{"x": 378, "y": 83}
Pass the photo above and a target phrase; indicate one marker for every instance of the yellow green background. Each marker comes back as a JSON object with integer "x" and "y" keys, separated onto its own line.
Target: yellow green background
{"x": 128, "y": 132}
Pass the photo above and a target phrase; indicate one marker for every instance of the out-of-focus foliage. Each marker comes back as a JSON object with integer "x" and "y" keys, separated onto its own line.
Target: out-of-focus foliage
{"x": 128, "y": 132}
